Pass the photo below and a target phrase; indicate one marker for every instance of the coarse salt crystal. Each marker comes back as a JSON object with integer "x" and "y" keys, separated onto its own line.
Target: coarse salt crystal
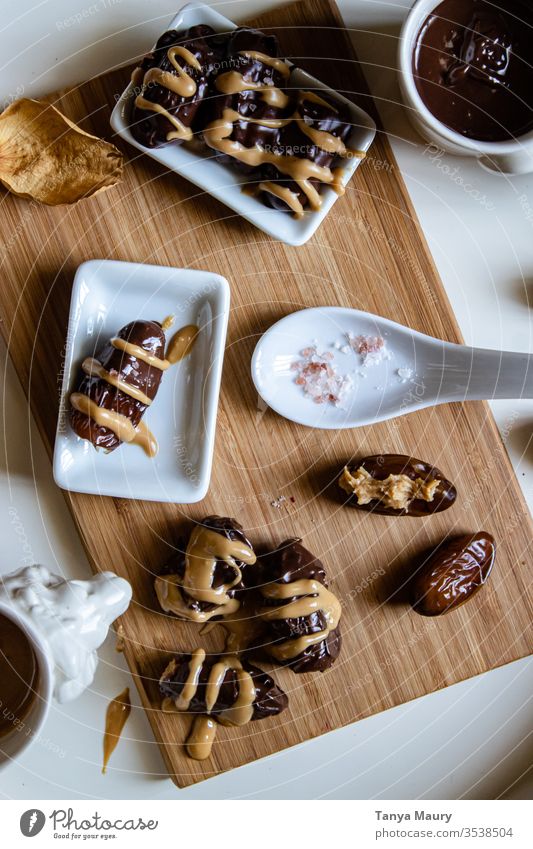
{"x": 319, "y": 378}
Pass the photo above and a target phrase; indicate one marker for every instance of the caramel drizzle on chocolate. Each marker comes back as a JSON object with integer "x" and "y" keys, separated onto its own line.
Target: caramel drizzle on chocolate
{"x": 94, "y": 368}
{"x": 205, "y": 547}
{"x": 301, "y": 170}
{"x": 180, "y": 83}
{"x": 139, "y": 353}
{"x": 203, "y": 732}
{"x": 233, "y": 82}
{"x": 290, "y": 198}
{"x": 117, "y": 714}
{"x": 183, "y": 701}
{"x": 306, "y": 597}
{"x": 179, "y": 347}
{"x": 121, "y": 426}
{"x": 275, "y": 62}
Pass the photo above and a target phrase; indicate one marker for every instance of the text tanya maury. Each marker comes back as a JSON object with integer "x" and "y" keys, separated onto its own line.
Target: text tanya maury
{"x": 423, "y": 816}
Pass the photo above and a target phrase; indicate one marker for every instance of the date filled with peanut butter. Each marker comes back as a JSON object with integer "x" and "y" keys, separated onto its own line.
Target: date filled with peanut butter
{"x": 397, "y": 485}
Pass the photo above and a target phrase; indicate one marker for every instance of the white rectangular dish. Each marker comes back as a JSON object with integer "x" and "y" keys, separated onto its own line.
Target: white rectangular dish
{"x": 106, "y": 296}
{"x": 222, "y": 181}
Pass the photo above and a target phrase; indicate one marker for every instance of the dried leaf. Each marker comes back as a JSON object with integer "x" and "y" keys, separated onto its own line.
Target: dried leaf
{"x": 46, "y": 157}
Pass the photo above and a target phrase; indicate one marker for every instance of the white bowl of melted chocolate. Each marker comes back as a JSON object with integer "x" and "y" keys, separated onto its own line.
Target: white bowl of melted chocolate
{"x": 466, "y": 74}
{"x": 221, "y": 106}
{"x": 25, "y": 683}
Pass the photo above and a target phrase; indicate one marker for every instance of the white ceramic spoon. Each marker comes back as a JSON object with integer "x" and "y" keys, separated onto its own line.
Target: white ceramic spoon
{"x": 431, "y": 371}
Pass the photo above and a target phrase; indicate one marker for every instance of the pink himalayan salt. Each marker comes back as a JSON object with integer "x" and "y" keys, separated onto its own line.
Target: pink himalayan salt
{"x": 318, "y": 377}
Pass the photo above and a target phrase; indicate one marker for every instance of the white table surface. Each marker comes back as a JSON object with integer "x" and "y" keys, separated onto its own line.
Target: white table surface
{"x": 467, "y": 741}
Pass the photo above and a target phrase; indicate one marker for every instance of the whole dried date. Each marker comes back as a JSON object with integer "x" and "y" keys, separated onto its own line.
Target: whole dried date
{"x": 453, "y": 573}
{"x": 397, "y": 485}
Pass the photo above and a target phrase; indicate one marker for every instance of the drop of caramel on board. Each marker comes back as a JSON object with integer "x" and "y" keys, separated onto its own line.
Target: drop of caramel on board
{"x": 117, "y": 714}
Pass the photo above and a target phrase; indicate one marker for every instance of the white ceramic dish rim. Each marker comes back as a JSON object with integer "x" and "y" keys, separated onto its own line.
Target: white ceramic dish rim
{"x": 41, "y": 706}
{"x": 410, "y": 29}
{"x": 215, "y": 378}
{"x": 331, "y": 310}
{"x": 258, "y": 214}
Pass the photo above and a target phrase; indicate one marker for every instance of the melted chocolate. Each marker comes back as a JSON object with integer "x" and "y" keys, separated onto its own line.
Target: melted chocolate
{"x": 473, "y": 66}
{"x": 19, "y": 675}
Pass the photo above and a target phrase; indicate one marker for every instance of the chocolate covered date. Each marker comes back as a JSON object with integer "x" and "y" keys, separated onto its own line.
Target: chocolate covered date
{"x": 118, "y": 386}
{"x": 310, "y": 147}
{"x": 397, "y": 485}
{"x": 301, "y": 615}
{"x": 172, "y": 85}
{"x": 121, "y": 382}
{"x": 222, "y": 690}
{"x": 202, "y": 582}
{"x": 453, "y": 574}
{"x": 233, "y": 93}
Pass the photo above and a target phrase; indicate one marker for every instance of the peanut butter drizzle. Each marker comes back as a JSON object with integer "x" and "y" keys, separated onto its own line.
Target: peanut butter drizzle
{"x": 203, "y": 730}
{"x": 183, "y": 701}
{"x": 180, "y": 83}
{"x": 323, "y": 140}
{"x": 203, "y": 734}
{"x": 200, "y": 740}
{"x": 217, "y": 136}
{"x": 94, "y": 368}
{"x": 140, "y": 353}
{"x": 313, "y": 97}
{"x": 279, "y": 65}
{"x": 290, "y": 198}
{"x": 301, "y": 170}
{"x": 337, "y": 184}
{"x": 232, "y": 82}
{"x": 241, "y": 711}
{"x": 116, "y": 422}
{"x": 181, "y": 344}
{"x": 204, "y": 549}
{"x": 309, "y": 597}
{"x": 117, "y": 714}
{"x": 179, "y": 347}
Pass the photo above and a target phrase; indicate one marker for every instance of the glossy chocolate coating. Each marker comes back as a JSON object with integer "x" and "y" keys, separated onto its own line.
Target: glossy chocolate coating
{"x": 269, "y": 698}
{"x": 151, "y": 128}
{"x": 292, "y": 562}
{"x": 221, "y": 54}
{"x": 454, "y": 572}
{"x": 229, "y": 528}
{"x": 380, "y": 466}
{"x": 473, "y": 67}
{"x": 249, "y": 103}
{"x": 145, "y": 334}
{"x": 293, "y": 142}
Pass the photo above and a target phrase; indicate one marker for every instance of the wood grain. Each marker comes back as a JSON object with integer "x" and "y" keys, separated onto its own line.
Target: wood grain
{"x": 369, "y": 254}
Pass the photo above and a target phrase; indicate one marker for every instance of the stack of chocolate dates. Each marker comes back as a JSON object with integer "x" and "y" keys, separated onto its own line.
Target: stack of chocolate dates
{"x": 232, "y": 94}
{"x": 277, "y": 609}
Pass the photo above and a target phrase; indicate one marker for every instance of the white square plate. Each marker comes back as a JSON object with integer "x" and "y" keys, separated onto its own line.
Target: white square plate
{"x": 107, "y": 295}
{"x": 222, "y": 181}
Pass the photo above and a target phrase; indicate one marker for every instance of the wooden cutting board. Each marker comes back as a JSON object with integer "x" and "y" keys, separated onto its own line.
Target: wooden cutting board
{"x": 370, "y": 254}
